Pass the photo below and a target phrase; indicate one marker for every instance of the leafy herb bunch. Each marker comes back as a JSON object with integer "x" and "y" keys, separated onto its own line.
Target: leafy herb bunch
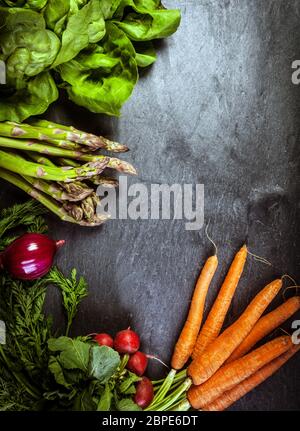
{"x": 91, "y": 48}
{"x": 42, "y": 370}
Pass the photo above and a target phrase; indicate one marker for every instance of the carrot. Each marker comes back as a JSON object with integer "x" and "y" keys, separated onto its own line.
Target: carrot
{"x": 232, "y": 374}
{"x": 189, "y": 333}
{"x": 216, "y": 317}
{"x": 266, "y": 325}
{"x": 241, "y": 389}
{"x": 204, "y": 366}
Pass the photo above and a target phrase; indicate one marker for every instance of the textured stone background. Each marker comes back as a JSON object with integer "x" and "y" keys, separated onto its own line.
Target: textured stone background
{"x": 217, "y": 108}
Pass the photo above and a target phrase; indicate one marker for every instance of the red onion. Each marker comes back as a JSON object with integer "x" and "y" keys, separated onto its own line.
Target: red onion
{"x": 30, "y": 256}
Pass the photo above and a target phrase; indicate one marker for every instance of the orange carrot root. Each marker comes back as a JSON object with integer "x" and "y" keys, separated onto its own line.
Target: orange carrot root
{"x": 266, "y": 325}
{"x": 205, "y": 365}
{"x": 234, "y": 373}
{"x": 216, "y": 317}
{"x": 188, "y": 336}
{"x": 230, "y": 397}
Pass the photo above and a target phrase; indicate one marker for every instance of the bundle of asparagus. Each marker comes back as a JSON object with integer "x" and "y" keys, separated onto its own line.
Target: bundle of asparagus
{"x": 59, "y": 166}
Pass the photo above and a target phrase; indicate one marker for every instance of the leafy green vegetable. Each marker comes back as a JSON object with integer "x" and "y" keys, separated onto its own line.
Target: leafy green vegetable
{"x": 104, "y": 362}
{"x": 145, "y": 54}
{"x": 72, "y": 291}
{"x": 84, "y": 401}
{"x": 128, "y": 384}
{"x": 104, "y": 404}
{"x": 27, "y": 47}
{"x": 25, "y": 214}
{"x": 31, "y": 4}
{"x": 86, "y": 41}
{"x": 73, "y": 353}
{"x": 126, "y": 405}
{"x": 148, "y": 20}
{"x": 84, "y": 27}
{"x": 42, "y": 371}
{"x": 34, "y": 99}
{"x": 103, "y": 77}
{"x": 57, "y": 371}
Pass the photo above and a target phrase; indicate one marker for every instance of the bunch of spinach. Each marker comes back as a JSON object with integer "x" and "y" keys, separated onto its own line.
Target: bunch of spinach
{"x": 40, "y": 369}
{"x": 90, "y": 48}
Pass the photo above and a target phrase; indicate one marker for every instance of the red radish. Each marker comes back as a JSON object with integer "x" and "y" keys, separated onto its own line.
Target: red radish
{"x": 30, "y": 256}
{"x": 104, "y": 340}
{"x": 127, "y": 341}
{"x": 144, "y": 393}
{"x": 137, "y": 363}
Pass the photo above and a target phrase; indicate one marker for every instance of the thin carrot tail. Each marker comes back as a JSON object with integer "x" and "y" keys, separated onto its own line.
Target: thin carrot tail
{"x": 214, "y": 322}
{"x": 230, "y": 397}
{"x": 188, "y": 336}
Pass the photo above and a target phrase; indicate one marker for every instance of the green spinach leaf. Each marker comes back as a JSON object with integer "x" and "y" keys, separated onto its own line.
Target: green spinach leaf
{"x": 33, "y": 99}
{"x": 108, "y": 80}
{"x": 84, "y": 27}
{"x": 148, "y": 20}
{"x": 104, "y": 362}
{"x": 74, "y": 354}
{"x": 105, "y": 399}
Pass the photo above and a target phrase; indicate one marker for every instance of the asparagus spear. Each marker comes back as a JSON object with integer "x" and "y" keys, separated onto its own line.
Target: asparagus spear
{"x": 105, "y": 181}
{"x": 107, "y": 144}
{"x": 98, "y": 180}
{"x": 88, "y": 208}
{"x": 75, "y": 187}
{"x": 26, "y": 131}
{"x": 49, "y": 203}
{"x": 26, "y": 187}
{"x": 52, "y": 189}
{"x": 63, "y": 174}
{"x": 38, "y": 158}
{"x": 113, "y": 162}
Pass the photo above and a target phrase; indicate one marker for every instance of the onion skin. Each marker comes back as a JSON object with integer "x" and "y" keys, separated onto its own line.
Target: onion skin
{"x": 30, "y": 256}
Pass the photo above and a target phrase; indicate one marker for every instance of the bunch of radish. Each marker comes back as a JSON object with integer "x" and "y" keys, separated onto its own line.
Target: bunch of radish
{"x": 128, "y": 342}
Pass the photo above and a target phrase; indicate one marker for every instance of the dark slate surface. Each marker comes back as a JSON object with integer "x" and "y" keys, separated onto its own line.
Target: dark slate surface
{"x": 218, "y": 108}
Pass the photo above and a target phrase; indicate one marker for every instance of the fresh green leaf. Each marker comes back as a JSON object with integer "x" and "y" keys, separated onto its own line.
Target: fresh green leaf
{"x": 126, "y": 405}
{"x": 27, "y": 47}
{"x": 104, "y": 362}
{"x": 31, "y": 4}
{"x": 57, "y": 371}
{"x": 105, "y": 399}
{"x": 25, "y": 214}
{"x": 73, "y": 353}
{"x": 84, "y": 27}
{"x": 145, "y": 54}
{"x": 131, "y": 378}
{"x": 34, "y": 99}
{"x": 149, "y": 20}
{"x": 84, "y": 401}
{"x": 72, "y": 291}
{"x": 108, "y": 81}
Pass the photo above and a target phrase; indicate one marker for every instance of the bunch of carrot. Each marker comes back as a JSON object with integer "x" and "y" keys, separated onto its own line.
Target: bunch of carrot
{"x": 223, "y": 366}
